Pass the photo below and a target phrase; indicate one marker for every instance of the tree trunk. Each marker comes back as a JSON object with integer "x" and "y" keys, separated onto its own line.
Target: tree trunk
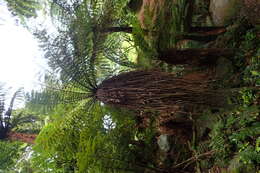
{"x": 117, "y": 29}
{"x": 193, "y": 56}
{"x": 22, "y": 137}
{"x": 154, "y": 90}
{"x": 3, "y": 133}
{"x": 204, "y": 34}
{"x": 213, "y": 30}
{"x": 15, "y": 136}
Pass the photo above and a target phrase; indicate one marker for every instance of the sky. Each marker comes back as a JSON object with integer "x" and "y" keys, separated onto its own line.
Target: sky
{"x": 21, "y": 60}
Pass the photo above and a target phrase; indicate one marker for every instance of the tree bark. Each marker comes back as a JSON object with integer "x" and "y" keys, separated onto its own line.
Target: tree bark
{"x": 126, "y": 29}
{"x": 214, "y": 30}
{"x": 22, "y": 137}
{"x": 3, "y": 133}
{"x": 204, "y": 34}
{"x": 6, "y": 134}
{"x": 154, "y": 90}
{"x": 198, "y": 37}
{"x": 194, "y": 56}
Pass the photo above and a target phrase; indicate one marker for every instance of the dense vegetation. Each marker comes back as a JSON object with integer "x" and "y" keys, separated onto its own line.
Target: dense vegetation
{"x": 137, "y": 87}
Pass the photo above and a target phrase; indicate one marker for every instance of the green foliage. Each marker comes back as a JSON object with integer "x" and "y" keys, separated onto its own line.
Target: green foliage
{"x": 23, "y": 8}
{"x": 89, "y": 21}
{"x": 96, "y": 141}
{"x": 251, "y": 74}
{"x": 145, "y": 48}
{"x": 153, "y": 37}
{"x": 55, "y": 147}
{"x": 25, "y": 121}
{"x": 237, "y": 133}
{"x": 248, "y": 96}
{"x": 171, "y": 15}
{"x": 118, "y": 48}
{"x": 247, "y": 58}
{"x": 250, "y": 39}
{"x": 10, "y": 153}
{"x": 234, "y": 135}
{"x": 177, "y": 12}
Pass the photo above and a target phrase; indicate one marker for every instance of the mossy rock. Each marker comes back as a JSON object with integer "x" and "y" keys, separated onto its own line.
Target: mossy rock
{"x": 224, "y": 69}
{"x": 223, "y": 11}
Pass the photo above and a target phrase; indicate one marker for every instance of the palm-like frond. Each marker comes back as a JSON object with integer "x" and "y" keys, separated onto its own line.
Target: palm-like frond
{"x": 61, "y": 13}
{"x": 23, "y": 8}
{"x": 84, "y": 21}
{"x": 117, "y": 48}
{"x": 51, "y": 96}
{"x": 21, "y": 119}
{"x": 18, "y": 95}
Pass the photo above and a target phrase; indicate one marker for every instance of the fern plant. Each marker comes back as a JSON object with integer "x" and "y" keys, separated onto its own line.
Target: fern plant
{"x": 236, "y": 133}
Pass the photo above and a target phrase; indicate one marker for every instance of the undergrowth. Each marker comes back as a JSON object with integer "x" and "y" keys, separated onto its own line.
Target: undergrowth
{"x": 235, "y": 134}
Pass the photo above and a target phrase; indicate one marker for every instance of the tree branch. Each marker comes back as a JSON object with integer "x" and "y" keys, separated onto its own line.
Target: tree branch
{"x": 194, "y": 158}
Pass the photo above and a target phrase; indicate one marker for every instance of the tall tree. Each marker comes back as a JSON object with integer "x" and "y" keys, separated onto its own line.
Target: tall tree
{"x": 154, "y": 90}
{"x": 137, "y": 90}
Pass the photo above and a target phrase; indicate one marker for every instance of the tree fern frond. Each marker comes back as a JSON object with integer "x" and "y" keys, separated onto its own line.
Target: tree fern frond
{"x": 16, "y": 96}
{"x": 23, "y": 8}
{"x": 114, "y": 50}
{"x": 21, "y": 119}
{"x": 52, "y": 96}
{"x": 61, "y": 14}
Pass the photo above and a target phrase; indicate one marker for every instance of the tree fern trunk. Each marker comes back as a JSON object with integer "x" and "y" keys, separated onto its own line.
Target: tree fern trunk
{"x": 117, "y": 29}
{"x": 22, "y": 137}
{"x": 206, "y": 30}
{"x": 193, "y": 56}
{"x": 154, "y": 90}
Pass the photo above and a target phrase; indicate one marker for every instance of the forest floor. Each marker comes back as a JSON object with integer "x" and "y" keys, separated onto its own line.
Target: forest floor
{"x": 212, "y": 140}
